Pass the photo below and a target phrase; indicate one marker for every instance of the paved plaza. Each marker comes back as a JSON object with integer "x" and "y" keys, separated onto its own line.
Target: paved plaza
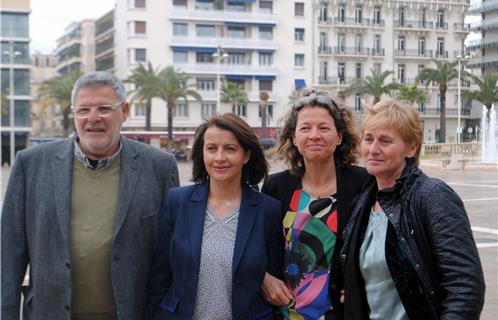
{"x": 478, "y": 187}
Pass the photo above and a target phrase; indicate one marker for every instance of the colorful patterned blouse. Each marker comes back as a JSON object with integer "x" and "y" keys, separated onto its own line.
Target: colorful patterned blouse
{"x": 310, "y": 227}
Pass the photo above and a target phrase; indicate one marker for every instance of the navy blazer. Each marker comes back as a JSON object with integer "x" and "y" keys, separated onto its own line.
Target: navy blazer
{"x": 258, "y": 248}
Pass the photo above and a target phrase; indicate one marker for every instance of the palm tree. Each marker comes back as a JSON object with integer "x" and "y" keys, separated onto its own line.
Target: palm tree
{"x": 411, "y": 94}
{"x": 58, "y": 91}
{"x": 234, "y": 94}
{"x": 440, "y": 76}
{"x": 173, "y": 86}
{"x": 373, "y": 85}
{"x": 147, "y": 85}
{"x": 487, "y": 93}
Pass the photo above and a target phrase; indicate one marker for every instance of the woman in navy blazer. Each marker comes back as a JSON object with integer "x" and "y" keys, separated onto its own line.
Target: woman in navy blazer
{"x": 218, "y": 237}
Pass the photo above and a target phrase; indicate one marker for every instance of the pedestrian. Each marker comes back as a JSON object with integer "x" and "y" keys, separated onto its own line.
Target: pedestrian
{"x": 82, "y": 214}
{"x": 409, "y": 252}
{"x": 320, "y": 147}
{"x": 218, "y": 237}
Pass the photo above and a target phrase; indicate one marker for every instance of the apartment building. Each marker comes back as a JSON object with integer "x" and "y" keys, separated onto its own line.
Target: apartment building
{"x": 46, "y": 118}
{"x": 485, "y": 57}
{"x": 76, "y": 47}
{"x": 104, "y": 42}
{"x": 355, "y": 37}
{"x": 14, "y": 72}
{"x": 261, "y": 45}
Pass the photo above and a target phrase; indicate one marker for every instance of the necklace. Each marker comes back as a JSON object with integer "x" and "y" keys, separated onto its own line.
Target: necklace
{"x": 320, "y": 191}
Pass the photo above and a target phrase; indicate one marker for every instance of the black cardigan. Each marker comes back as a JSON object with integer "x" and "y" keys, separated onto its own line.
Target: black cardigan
{"x": 350, "y": 181}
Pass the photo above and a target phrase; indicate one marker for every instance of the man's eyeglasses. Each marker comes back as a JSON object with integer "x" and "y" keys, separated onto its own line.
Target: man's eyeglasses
{"x": 103, "y": 110}
{"x": 314, "y": 100}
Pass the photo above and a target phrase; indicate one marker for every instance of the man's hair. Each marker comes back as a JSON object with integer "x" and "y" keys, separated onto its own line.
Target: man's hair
{"x": 99, "y": 79}
{"x": 253, "y": 171}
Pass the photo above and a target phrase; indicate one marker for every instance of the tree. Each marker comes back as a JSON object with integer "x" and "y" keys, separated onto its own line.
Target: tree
{"x": 58, "y": 91}
{"x": 172, "y": 87}
{"x": 234, "y": 94}
{"x": 411, "y": 94}
{"x": 373, "y": 85}
{"x": 440, "y": 76}
{"x": 263, "y": 103}
{"x": 147, "y": 86}
{"x": 487, "y": 93}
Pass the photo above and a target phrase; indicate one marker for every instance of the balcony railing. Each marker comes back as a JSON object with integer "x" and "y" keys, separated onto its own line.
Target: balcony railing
{"x": 325, "y": 80}
{"x": 377, "y": 23}
{"x": 413, "y": 53}
{"x": 223, "y": 15}
{"x": 484, "y": 61}
{"x": 481, "y": 7}
{"x": 103, "y": 27}
{"x": 324, "y": 50}
{"x": 354, "y": 51}
{"x": 442, "y": 26}
{"x": 224, "y": 42}
{"x": 441, "y": 54}
{"x": 351, "y": 22}
{"x": 413, "y": 24}
{"x": 484, "y": 24}
{"x": 449, "y": 112}
{"x": 104, "y": 46}
{"x": 461, "y": 27}
{"x": 324, "y": 20}
{"x": 491, "y": 42}
{"x": 377, "y": 52}
{"x": 235, "y": 69}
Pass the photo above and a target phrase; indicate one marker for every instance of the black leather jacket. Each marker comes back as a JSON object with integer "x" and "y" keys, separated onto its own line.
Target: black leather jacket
{"x": 430, "y": 250}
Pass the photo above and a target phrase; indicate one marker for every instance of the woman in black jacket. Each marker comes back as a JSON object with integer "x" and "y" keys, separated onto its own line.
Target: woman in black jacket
{"x": 320, "y": 147}
{"x": 408, "y": 252}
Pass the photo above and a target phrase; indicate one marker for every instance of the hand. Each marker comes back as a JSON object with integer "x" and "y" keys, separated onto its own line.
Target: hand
{"x": 275, "y": 291}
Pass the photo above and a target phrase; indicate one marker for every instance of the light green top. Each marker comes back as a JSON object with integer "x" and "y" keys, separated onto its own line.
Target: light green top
{"x": 94, "y": 202}
{"x": 383, "y": 298}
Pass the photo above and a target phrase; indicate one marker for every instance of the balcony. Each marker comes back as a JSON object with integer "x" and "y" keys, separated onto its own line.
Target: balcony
{"x": 231, "y": 43}
{"x": 377, "y": 52}
{"x": 104, "y": 64}
{"x": 426, "y": 54}
{"x": 325, "y": 80}
{"x": 324, "y": 21}
{"x": 377, "y": 23}
{"x": 486, "y": 61}
{"x": 351, "y": 51}
{"x": 324, "y": 50}
{"x": 478, "y": 8}
{"x": 461, "y": 27}
{"x": 449, "y": 112}
{"x": 223, "y": 15}
{"x": 104, "y": 24}
{"x": 351, "y": 23}
{"x": 441, "y": 54}
{"x": 103, "y": 47}
{"x": 491, "y": 42}
{"x": 442, "y": 26}
{"x": 234, "y": 69}
{"x": 484, "y": 25}
{"x": 413, "y": 25}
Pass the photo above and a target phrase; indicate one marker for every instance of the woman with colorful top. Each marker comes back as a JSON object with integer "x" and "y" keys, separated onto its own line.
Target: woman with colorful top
{"x": 320, "y": 148}
{"x": 218, "y": 237}
{"x": 408, "y": 251}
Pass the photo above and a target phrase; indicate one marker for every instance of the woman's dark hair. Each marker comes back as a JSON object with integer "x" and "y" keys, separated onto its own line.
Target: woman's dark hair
{"x": 345, "y": 154}
{"x": 253, "y": 171}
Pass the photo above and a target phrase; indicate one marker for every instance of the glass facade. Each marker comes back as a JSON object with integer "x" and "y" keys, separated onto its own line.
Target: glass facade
{"x": 14, "y": 24}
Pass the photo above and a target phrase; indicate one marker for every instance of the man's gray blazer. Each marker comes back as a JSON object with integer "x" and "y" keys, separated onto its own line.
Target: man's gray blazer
{"x": 35, "y": 226}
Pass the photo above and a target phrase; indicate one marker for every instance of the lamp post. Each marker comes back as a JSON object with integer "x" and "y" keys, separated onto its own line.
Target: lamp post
{"x": 11, "y": 53}
{"x": 219, "y": 55}
{"x": 459, "y": 102}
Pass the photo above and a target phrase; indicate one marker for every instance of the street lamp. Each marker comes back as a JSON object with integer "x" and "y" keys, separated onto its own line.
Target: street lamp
{"x": 219, "y": 55}
{"x": 11, "y": 53}
{"x": 459, "y": 103}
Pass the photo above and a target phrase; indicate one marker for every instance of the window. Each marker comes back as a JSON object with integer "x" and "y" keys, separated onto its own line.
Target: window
{"x": 358, "y": 14}
{"x": 137, "y": 55}
{"x": 341, "y": 42}
{"x": 205, "y": 4}
{"x": 421, "y": 106}
{"x": 358, "y": 71}
{"x": 324, "y": 12}
{"x": 180, "y": 29}
{"x": 358, "y": 43}
{"x": 237, "y": 7}
{"x": 401, "y": 73}
{"x": 21, "y": 50}
{"x": 341, "y": 72}
{"x": 139, "y": 109}
{"x": 324, "y": 70}
{"x": 299, "y": 9}
{"x": 269, "y": 111}
{"x": 357, "y": 103}
{"x": 440, "y": 47}
{"x": 265, "y": 59}
{"x": 21, "y": 82}
{"x": 421, "y": 46}
{"x": 203, "y": 30}
{"x": 376, "y": 15}
{"x": 377, "y": 43}
{"x": 299, "y": 60}
{"x": 237, "y": 32}
{"x": 208, "y": 109}
{"x": 180, "y": 3}
{"x": 341, "y": 13}
{"x": 139, "y": 3}
{"x": 265, "y": 6}
{"x": 139, "y": 27}
{"x": 423, "y": 16}
{"x": 180, "y": 57}
{"x": 299, "y": 34}
{"x": 180, "y": 110}
{"x": 323, "y": 41}
{"x": 14, "y": 24}
{"x": 401, "y": 43}
{"x": 206, "y": 84}
{"x": 237, "y": 58}
{"x": 440, "y": 19}
{"x": 204, "y": 57}
{"x": 240, "y": 110}
{"x": 265, "y": 33}
{"x": 401, "y": 16}
{"x": 265, "y": 85}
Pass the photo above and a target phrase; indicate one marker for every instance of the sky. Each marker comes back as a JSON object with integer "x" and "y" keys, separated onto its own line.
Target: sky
{"x": 49, "y": 18}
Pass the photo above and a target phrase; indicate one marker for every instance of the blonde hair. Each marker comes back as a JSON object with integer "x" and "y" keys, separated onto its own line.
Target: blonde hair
{"x": 399, "y": 116}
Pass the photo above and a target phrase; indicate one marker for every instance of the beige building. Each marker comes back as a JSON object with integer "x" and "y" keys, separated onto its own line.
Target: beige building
{"x": 46, "y": 120}
{"x": 104, "y": 42}
{"x": 76, "y": 47}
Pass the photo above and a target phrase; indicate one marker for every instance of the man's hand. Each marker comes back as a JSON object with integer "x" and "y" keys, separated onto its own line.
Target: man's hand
{"x": 275, "y": 291}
